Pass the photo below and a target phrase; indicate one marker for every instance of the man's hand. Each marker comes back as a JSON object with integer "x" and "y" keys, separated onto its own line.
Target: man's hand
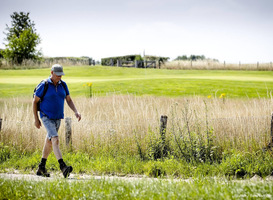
{"x": 78, "y": 115}
{"x": 37, "y": 123}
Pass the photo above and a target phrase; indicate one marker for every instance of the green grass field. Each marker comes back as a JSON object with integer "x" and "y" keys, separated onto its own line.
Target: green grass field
{"x": 238, "y": 86}
{"x": 172, "y": 83}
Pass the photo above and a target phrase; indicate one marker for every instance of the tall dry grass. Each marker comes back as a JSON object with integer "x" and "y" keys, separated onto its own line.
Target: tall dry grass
{"x": 116, "y": 124}
{"x": 214, "y": 65}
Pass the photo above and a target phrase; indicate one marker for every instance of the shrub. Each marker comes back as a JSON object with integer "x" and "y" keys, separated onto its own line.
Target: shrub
{"x": 245, "y": 164}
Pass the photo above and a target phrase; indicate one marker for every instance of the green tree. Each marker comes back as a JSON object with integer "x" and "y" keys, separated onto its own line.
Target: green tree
{"x": 191, "y": 57}
{"x": 184, "y": 57}
{"x": 1, "y": 53}
{"x": 22, "y": 39}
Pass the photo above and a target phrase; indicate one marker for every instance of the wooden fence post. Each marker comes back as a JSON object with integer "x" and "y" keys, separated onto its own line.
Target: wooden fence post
{"x": 0, "y": 124}
{"x": 163, "y": 127}
{"x": 271, "y": 130}
{"x": 68, "y": 132}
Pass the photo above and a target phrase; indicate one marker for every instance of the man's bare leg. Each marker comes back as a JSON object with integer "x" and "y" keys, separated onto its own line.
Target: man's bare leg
{"x": 46, "y": 151}
{"x": 47, "y": 148}
{"x": 64, "y": 168}
{"x": 56, "y": 148}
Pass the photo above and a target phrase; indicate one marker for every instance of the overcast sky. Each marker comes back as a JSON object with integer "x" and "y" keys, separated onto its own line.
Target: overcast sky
{"x": 228, "y": 30}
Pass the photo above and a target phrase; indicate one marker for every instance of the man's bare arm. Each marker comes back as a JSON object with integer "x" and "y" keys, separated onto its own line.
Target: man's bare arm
{"x": 73, "y": 107}
{"x": 37, "y": 121}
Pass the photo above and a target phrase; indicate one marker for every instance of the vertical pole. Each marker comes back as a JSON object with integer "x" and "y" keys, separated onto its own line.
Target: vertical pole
{"x": 0, "y": 124}
{"x": 68, "y": 132}
{"x": 271, "y": 130}
{"x": 163, "y": 126}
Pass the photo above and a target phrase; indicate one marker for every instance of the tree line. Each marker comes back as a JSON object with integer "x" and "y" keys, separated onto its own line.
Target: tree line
{"x": 193, "y": 58}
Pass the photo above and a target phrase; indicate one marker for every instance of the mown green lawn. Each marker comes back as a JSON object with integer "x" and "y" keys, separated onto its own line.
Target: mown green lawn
{"x": 158, "y": 82}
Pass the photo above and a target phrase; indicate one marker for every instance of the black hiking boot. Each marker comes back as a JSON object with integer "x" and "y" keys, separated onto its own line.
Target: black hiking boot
{"x": 42, "y": 171}
{"x": 66, "y": 170}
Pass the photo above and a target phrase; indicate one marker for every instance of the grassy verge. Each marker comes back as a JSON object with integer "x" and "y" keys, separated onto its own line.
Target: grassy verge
{"x": 234, "y": 164}
{"x": 205, "y": 188}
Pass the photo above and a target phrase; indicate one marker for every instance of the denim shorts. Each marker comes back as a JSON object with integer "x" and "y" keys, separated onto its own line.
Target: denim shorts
{"x": 52, "y": 126}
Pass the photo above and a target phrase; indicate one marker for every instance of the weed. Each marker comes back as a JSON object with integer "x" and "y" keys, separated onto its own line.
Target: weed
{"x": 154, "y": 169}
{"x": 194, "y": 144}
{"x": 5, "y": 152}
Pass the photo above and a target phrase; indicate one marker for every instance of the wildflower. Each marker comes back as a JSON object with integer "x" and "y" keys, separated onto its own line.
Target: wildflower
{"x": 222, "y": 95}
{"x": 209, "y": 96}
{"x": 89, "y": 88}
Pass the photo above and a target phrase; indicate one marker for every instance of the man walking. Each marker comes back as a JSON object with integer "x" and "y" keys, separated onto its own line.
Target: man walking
{"x": 50, "y": 96}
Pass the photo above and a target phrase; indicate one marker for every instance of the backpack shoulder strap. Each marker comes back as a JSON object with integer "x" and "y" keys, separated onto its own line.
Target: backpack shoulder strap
{"x": 45, "y": 88}
{"x": 63, "y": 84}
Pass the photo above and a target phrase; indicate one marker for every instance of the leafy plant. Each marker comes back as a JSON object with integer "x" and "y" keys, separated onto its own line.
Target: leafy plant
{"x": 5, "y": 152}
{"x": 193, "y": 144}
{"x": 154, "y": 169}
{"x": 245, "y": 164}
